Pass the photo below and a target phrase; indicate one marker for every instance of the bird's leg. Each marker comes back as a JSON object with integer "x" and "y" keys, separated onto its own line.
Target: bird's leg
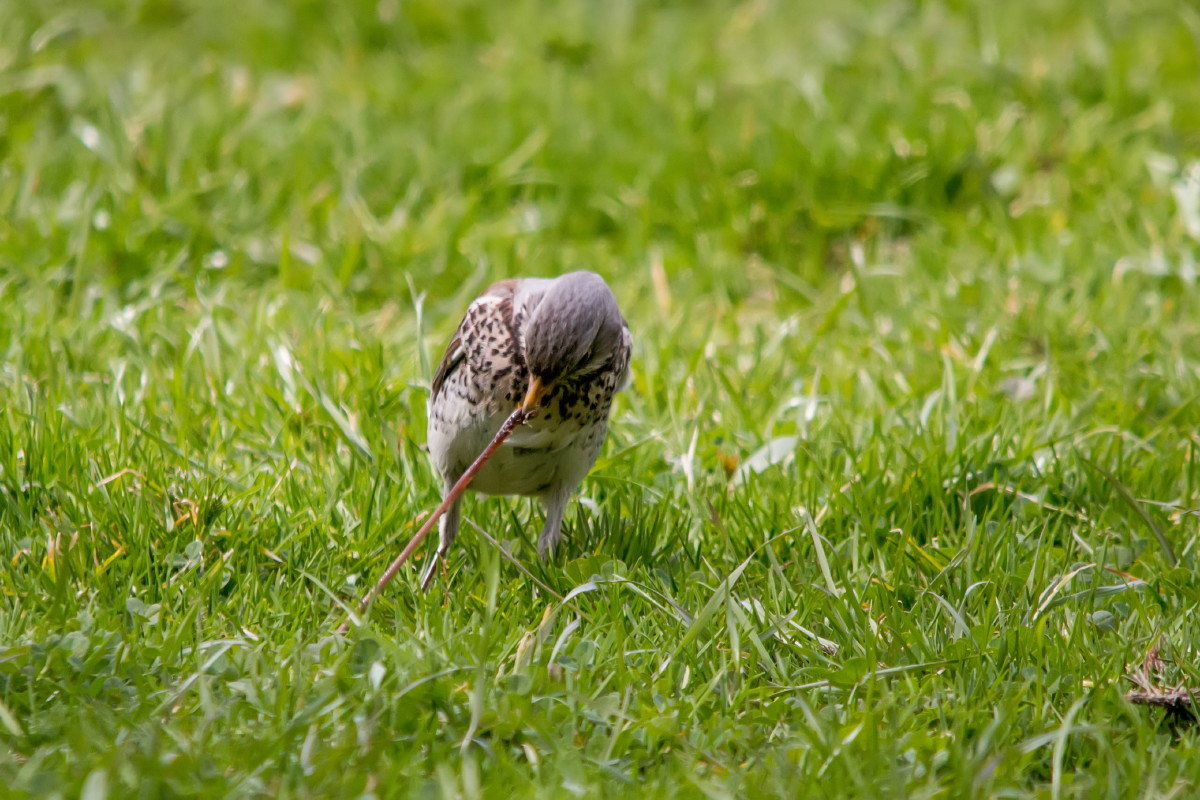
{"x": 447, "y": 531}
{"x": 556, "y": 504}
{"x": 449, "y": 523}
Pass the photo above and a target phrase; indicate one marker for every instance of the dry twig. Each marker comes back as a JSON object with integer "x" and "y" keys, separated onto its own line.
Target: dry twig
{"x": 1176, "y": 701}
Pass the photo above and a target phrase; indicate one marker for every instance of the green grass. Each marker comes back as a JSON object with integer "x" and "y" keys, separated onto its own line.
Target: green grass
{"x": 905, "y": 486}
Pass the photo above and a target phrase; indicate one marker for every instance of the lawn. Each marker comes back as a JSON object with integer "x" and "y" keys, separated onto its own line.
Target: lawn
{"x": 905, "y": 487}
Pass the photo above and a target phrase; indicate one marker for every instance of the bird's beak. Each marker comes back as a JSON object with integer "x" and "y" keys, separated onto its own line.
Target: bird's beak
{"x": 534, "y": 396}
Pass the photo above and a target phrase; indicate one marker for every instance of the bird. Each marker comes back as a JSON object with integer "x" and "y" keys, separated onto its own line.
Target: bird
{"x": 558, "y": 348}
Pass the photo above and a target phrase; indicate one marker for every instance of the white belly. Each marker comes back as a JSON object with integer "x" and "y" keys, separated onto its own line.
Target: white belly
{"x": 536, "y": 460}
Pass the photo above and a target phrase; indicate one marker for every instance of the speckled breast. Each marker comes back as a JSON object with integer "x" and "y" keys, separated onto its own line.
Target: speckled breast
{"x": 557, "y": 446}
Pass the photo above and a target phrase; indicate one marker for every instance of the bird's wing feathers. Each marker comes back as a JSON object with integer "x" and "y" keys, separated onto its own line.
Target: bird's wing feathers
{"x": 625, "y": 355}
{"x": 497, "y": 298}
{"x": 455, "y": 354}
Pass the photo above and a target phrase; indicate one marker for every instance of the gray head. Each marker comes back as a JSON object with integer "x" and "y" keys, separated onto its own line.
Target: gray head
{"x": 574, "y": 329}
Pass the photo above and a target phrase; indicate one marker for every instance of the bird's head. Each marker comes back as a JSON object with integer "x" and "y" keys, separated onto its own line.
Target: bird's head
{"x": 572, "y": 331}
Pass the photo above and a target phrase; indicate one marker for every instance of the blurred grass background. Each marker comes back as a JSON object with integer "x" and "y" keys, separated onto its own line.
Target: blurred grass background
{"x": 905, "y": 483}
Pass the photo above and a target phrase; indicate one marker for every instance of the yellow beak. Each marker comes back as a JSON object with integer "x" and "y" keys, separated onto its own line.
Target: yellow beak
{"x": 534, "y": 396}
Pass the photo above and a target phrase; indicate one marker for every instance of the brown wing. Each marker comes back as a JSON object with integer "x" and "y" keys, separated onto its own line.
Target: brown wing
{"x": 496, "y": 300}
{"x": 454, "y": 356}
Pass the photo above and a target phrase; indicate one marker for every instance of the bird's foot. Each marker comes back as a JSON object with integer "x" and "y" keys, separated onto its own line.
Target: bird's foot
{"x": 431, "y": 567}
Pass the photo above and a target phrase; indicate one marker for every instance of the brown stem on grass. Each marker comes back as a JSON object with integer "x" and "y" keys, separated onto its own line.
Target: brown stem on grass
{"x": 1178, "y": 701}
{"x": 517, "y": 418}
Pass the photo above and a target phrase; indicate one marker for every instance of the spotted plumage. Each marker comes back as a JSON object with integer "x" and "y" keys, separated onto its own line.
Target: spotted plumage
{"x": 560, "y": 344}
